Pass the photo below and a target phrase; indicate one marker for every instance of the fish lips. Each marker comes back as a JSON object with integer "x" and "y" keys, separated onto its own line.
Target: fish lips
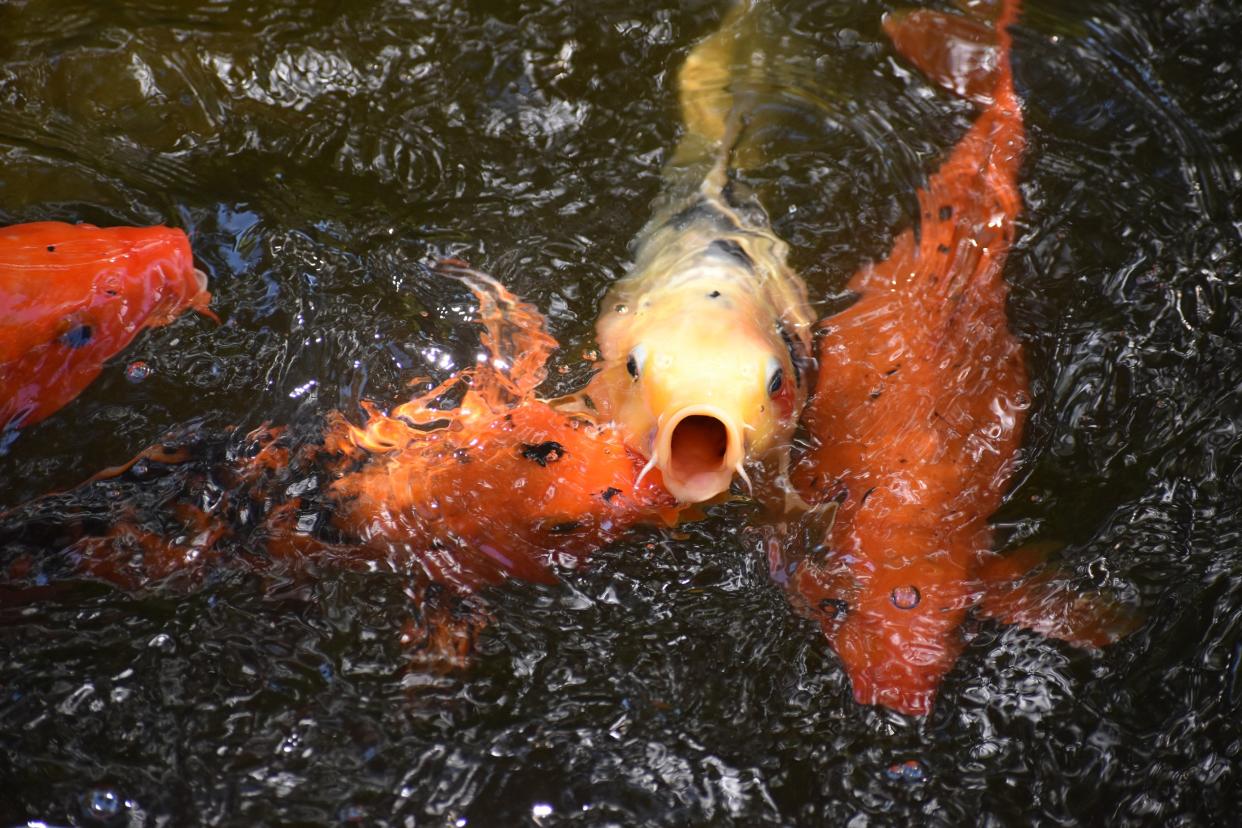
{"x": 698, "y": 450}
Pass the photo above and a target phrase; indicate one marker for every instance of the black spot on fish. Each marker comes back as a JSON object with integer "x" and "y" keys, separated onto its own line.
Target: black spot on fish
{"x": 875, "y": 393}
{"x": 946, "y": 212}
{"x": 943, "y": 248}
{"x": 76, "y": 337}
{"x": 715, "y": 294}
{"x": 866, "y": 495}
{"x": 730, "y": 249}
{"x": 564, "y": 528}
{"x": 892, "y": 370}
{"x": 51, "y": 248}
{"x": 609, "y": 493}
{"x": 544, "y": 453}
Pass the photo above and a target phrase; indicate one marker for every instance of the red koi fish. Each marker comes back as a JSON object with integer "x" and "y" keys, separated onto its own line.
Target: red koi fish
{"x": 505, "y": 485}
{"x": 919, "y": 408}
{"x": 501, "y": 485}
{"x": 72, "y": 295}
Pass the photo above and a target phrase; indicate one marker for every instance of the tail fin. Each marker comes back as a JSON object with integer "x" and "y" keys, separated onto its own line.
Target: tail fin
{"x": 967, "y": 54}
{"x": 704, "y": 82}
{"x": 706, "y": 90}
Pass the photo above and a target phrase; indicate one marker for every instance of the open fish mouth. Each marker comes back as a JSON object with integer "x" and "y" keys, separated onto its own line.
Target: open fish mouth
{"x": 698, "y": 451}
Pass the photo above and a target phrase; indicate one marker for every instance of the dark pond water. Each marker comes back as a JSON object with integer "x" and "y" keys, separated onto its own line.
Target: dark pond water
{"x": 320, "y": 153}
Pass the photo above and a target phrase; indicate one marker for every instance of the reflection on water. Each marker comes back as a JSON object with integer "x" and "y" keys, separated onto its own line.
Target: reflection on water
{"x": 320, "y": 154}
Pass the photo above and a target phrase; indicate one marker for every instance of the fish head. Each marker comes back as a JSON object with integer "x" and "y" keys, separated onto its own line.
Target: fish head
{"x": 701, "y": 382}
{"x": 72, "y": 296}
{"x": 893, "y": 622}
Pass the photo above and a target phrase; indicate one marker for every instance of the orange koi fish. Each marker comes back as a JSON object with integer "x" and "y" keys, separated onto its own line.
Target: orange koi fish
{"x": 504, "y": 484}
{"x": 72, "y": 295}
{"x": 501, "y": 485}
{"x": 919, "y": 408}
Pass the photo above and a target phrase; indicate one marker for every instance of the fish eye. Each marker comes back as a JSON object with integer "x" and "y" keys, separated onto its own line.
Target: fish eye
{"x": 77, "y": 336}
{"x": 776, "y": 377}
{"x": 637, "y": 357}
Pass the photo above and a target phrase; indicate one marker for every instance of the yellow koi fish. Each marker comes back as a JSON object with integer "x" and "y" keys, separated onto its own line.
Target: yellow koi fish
{"x": 705, "y": 342}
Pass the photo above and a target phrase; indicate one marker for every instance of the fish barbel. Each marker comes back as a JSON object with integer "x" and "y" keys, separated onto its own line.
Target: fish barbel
{"x": 705, "y": 342}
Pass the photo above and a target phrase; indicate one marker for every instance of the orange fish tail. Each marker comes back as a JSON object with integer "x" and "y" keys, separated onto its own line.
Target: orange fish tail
{"x": 968, "y": 206}
{"x": 967, "y": 54}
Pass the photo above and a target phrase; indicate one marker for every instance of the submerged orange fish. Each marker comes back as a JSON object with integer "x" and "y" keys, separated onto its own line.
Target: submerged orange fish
{"x": 72, "y": 295}
{"x": 462, "y": 497}
{"x": 919, "y": 408}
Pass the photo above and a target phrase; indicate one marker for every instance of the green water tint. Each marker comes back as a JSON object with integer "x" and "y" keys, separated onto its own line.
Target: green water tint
{"x": 319, "y": 154}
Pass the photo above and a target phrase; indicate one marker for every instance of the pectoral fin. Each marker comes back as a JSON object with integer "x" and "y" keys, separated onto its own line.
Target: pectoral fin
{"x": 1023, "y": 589}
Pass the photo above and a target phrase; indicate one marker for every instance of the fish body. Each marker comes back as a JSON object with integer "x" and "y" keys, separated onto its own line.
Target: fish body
{"x": 705, "y": 341}
{"x": 920, "y": 403}
{"x": 501, "y": 485}
{"x": 72, "y": 296}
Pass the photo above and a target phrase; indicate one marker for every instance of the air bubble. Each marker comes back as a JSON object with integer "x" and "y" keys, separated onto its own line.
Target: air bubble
{"x": 102, "y": 804}
{"x": 906, "y": 597}
{"x": 910, "y": 770}
{"x": 163, "y": 642}
{"x": 137, "y": 371}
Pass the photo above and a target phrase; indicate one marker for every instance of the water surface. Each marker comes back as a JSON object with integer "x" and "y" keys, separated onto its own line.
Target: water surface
{"x": 322, "y": 153}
